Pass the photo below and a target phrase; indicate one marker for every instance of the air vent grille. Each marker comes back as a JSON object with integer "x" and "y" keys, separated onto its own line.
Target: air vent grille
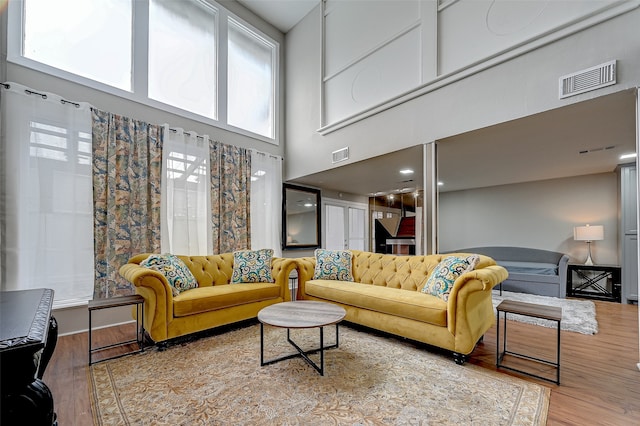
{"x": 340, "y": 155}
{"x": 586, "y": 80}
{"x": 597, "y": 149}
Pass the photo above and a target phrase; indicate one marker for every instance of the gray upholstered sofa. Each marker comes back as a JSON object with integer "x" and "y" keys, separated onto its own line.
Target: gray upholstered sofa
{"x": 533, "y": 271}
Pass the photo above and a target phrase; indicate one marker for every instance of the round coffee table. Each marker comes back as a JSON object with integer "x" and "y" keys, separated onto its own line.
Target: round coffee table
{"x": 301, "y": 314}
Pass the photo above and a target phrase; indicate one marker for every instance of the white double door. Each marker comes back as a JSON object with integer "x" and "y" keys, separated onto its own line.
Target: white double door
{"x": 345, "y": 225}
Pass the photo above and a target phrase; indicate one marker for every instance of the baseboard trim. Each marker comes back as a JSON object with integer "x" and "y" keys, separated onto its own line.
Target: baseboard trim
{"x": 86, "y": 330}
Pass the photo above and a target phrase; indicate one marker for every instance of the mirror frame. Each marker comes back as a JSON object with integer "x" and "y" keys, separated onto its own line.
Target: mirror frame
{"x": 287, "y": 245}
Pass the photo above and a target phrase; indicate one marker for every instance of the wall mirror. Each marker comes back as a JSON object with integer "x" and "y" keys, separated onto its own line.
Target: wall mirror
{"x": 300, "y": 217}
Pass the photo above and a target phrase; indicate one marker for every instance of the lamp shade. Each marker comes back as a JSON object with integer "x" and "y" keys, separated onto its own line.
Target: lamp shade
{"x": 588, "y": 233}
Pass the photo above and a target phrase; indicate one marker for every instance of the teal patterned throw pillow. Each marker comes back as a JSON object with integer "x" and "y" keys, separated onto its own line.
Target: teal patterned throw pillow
{"x": 441, "y": 280}
{"x": 175, "y": 271}
{"x": 333, "y": 265}
{"x": 252, "y": 266}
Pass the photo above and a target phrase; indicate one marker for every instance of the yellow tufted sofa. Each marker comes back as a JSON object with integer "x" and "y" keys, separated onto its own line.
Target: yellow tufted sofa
{"x": 214, "y": 303}
{"x": 386, "y": 296}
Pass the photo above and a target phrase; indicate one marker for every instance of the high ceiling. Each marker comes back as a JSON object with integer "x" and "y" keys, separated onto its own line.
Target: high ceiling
{"x": 543, "y": 146}
{"x": 376, "y": 175}
{"x": 282, "y": 14}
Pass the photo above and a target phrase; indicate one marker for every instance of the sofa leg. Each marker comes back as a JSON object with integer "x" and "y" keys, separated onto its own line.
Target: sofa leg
{"x": 459, "y": 358}
{"x": 481, "y": 339}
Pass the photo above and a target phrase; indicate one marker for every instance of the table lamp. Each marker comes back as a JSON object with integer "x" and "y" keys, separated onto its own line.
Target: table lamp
{"x": 588, "y": 233}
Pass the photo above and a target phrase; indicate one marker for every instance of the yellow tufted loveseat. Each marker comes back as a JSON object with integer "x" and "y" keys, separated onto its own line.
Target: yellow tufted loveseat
{"x": 386, "y": 296}
{"x": 214, "y": 303}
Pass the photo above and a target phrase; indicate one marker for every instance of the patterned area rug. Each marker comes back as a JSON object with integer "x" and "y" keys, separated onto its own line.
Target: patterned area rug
{"x": 577, "y": 315}
{"x": 369, "y": 380}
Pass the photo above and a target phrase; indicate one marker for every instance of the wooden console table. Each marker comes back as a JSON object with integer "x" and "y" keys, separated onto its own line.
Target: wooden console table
{"x": 28, "y": 336}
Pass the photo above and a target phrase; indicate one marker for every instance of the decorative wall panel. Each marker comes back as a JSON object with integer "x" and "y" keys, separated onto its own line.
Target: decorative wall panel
{"x": 388, "y": 72}
{"x": 374, "y": 51}
{"x": 473, "y": 31}
{"x": 356, "y": 28}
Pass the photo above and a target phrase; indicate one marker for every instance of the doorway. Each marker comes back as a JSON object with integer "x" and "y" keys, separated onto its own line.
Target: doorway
{"x": 345, "y": 225}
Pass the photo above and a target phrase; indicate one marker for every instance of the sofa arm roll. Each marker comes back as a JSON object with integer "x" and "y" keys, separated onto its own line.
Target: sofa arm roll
{"x": 280, "y": 270}
{"x": 490, "y": 276}
{"x": 305, "y": 266}
{"x": 474, "y": 284}
{"x": 483, "y": 279}
{"x": 158, "y": 297}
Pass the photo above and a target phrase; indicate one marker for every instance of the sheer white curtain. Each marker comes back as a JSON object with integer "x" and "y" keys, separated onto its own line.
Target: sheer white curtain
{"x": 266, "y": 202}
{"x": 186, "y": 211}
{"x": 47, "y": 194}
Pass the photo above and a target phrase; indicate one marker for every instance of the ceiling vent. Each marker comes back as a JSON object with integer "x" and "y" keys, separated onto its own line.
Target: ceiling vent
{"x": 340, "y": 155}
{"x": 600, "y": 148}
{"x": 590, "y": 79}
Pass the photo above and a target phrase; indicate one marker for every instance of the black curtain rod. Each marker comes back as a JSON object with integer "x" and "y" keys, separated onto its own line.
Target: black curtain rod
{"x": 186, "y": 133}
{"x": 42, "y": 95}
{"x": 266, "y": 154}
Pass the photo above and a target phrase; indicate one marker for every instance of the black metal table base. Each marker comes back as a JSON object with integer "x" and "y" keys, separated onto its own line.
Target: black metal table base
{"x": 300, "y": 352}
{"x": 500, "y": 354}
{"x": 136, "y": 300}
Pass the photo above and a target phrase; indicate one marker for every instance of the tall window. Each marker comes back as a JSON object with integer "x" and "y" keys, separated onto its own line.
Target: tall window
{"x": 185, "y": 193}
{"x": 46, "y": 168}
{"x": 266, "y": 202}
{"x": 183, "y": 55}
{"x": 78, "y": 37}
{"x": 163, "y": 53}
{"x": 250, "y": 80}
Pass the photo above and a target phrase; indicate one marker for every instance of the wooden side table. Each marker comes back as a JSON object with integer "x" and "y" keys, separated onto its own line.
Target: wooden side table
{"x": 552, "y": 313}
{"x": 114, "y": 302}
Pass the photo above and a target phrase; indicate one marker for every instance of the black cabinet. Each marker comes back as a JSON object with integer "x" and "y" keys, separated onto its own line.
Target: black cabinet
{"x": 602, "y": 282}
{"x": 28, "y": 335}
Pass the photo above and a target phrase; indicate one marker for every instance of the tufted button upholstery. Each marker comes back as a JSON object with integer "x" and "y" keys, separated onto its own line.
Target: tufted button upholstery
{"x": 215, "y": 302}
{"x": 384, "y": 297}
{"x": 210, "y": 270}
{"x": 405, "y": 272}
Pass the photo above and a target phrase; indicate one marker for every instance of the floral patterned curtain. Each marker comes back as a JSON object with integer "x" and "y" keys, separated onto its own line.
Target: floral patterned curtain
{"x": 127, "y": 165}
{"x": 230, "y": 200}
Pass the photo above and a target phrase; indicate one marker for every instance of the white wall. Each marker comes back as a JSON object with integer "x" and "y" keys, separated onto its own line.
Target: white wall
{"x": 76, "y": 319}
{"x": 374, "y": 51}
{"x": 522, "y": 86}
{"x": 536, "y": 214}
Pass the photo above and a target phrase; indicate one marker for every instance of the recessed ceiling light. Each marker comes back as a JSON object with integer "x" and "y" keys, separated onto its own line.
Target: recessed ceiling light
{"x": 625, "y": 156}
{"x": 440, "y": 183}
{"x": 406, "y": 171}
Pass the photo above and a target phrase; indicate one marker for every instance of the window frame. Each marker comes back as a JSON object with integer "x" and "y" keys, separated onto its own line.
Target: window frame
{"x": 275, "y": 53}
{"x": 139, "y": 78}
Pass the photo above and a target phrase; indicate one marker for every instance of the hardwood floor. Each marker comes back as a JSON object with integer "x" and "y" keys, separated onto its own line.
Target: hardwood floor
{"x": 600, "y": 382}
